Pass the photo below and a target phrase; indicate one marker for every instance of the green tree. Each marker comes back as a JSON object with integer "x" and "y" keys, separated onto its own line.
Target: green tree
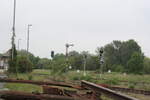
{"x": 76, "y": 61}
{"x": 44, "y": 63}
{"x": 92, "y": 62}
{"x": 135, "y": 64}
{"x": 146, "y": 65}
{"x": 24, "y": 65}
{"x": 58, "y": 64}
{"x": 34, "y": 60}
{"x": 13, "y": 62}
{"x": 127, "y": 50}
{"x": 118, "y": 53}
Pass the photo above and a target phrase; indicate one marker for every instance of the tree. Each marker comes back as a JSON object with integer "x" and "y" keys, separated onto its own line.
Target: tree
{"x": 58, "y": 64}
{"x": 127, "y": 49}
{"x": 135, "y": 64}
{"x": 13, "y": 62}
{"x": 118, "y": 53}
{"x": 146, "y": 68}
{"x": 24, "y": 65}
{"x": 92, "y": 62}
{"x": 34, "y": 60}
{"x": 44, "y": 63}
{"x": 76, "y": 61}
{"x": 112, "y": 55}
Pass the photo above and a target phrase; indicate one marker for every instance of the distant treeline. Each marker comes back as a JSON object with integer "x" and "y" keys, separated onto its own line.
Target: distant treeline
{"x": 119, "y": 56}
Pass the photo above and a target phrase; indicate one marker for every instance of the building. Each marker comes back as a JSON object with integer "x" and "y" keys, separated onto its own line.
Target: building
{"x": 4, "y": 58}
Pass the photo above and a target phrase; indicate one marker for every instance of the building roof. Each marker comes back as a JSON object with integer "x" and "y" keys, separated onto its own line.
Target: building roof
{"x": 6, "y": 54}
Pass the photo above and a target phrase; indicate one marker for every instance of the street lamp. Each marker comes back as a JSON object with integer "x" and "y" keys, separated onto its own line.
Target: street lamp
{"x": 28, "y": 32}
{"x": 18, "y": 43}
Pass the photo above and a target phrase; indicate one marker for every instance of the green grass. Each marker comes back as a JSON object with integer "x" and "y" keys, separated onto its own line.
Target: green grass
{"x": 74, "y": 77}
{"x": 41, "y": 71}
{"x": 31, "y": 76}
{"x": 114, "y": 79}
{"x": 23, "y": 87}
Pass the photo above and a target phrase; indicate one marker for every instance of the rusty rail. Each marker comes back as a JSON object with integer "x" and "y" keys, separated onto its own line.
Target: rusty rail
{"x": 127, "y": 90}
{"x": 35, "y": 82}
{"x": 14, "y": 95}
{"x": 130, "y": 90}
{"x": 58, "y": 94}
{"x": 110, "y": 93}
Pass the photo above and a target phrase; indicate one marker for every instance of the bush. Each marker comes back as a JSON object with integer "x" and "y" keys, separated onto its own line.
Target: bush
{"x": 30, "y": 77}
{"x": 13, "y": 62}
{"x": 119, "y": 68}
{"x": 146, "y": 69}
{"x": 76, "y": 78}
{"x": 87, "y": 78}
{"x": 24, "y": 65}
{"x": 12, "y": 66}
{"x": 135, "y": 63}
{"x": 112, "y": 81}
{"x": 131, "y": 86}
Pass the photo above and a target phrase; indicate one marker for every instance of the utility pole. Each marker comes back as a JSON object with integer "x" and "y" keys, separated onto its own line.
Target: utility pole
{"x": 28, "y": 33}
{"x": 18, "y": 43}
{"x": 28, "y": 37}
{"x": 13, "y": 30}
{"x": 84, "y": 57}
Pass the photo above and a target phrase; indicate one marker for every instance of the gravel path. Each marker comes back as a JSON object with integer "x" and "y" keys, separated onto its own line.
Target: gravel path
{"x": 1, "y": 83}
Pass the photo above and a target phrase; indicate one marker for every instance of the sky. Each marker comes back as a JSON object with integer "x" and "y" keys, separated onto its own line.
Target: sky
{"x": 87, "y": 24}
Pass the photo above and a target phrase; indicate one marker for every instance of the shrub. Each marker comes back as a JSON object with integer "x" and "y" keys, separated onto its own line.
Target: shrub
{"x": 112, "y": 81}
{"x": 87, "y": 78}
{"x": 119, "y": 68}
{"x": 135, "y": 64}
{"x": 131, "y": 86}
{"x": 24, "y": 65}
{"x": 76, "y": 78}
{"x": 30, "y": 77}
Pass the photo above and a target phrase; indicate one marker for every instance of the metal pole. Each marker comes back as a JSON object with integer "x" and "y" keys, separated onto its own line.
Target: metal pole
{"x": 28, "y": 31}
{"x": 28, "y": 37}
{"x": 84, "y": 73}
{"x": 84, "y": 68}
{"x": 13, "y": 29}
{"x": 67, "y": 47}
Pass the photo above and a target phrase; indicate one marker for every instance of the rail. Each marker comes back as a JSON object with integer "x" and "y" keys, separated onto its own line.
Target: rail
{"x": 110, "y": 93}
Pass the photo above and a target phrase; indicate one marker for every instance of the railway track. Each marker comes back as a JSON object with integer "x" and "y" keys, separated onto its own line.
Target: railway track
{"x": 86, "y": 91}
{"x": 108, "y": 92}
{"x": 128, "y": 90}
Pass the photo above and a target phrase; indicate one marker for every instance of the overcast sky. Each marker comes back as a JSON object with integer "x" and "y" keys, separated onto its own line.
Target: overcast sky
{"x": 87, "y": 24}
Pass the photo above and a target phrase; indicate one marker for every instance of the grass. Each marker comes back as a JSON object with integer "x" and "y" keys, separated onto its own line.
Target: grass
{"x": 41, "y": 71}
{"x": 30, "y": 76}
{"x": 23, "y": 87}
{"x": 139, "y": 96}
{"x": 74, "y": 77}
